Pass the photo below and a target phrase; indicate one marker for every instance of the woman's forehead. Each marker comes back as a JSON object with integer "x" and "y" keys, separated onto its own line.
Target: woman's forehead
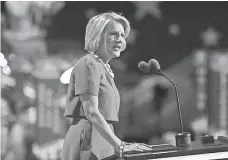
{"x": 114, "y": 26}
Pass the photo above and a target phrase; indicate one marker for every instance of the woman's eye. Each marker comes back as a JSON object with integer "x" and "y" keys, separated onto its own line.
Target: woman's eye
{"x": 113, "y": 34}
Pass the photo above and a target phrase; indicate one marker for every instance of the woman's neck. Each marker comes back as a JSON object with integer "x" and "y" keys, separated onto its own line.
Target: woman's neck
{"x": 104, "y": 57}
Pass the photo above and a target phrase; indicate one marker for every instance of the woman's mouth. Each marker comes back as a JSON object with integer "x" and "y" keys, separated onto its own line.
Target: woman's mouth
{"x": 117, "y": 47}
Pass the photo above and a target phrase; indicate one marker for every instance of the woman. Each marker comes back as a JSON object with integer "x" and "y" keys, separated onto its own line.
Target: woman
{"x": 92, "y": 98}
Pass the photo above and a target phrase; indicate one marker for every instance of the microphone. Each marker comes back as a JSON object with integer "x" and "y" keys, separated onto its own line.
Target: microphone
{"x": 155, "y": 68}
{"x": 183, "y": 138}
{"x": 144, "y": 67}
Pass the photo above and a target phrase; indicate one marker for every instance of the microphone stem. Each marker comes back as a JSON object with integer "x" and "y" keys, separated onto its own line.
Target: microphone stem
{"x": 178, "y": 104}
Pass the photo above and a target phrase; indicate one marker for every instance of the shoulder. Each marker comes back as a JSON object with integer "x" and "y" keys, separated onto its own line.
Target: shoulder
{"x": 86, "y": 62}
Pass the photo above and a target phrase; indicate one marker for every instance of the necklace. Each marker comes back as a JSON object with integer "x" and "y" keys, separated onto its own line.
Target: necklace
{"x": 105, "y": 65}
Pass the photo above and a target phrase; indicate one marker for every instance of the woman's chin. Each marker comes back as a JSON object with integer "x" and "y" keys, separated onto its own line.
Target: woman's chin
{"x": 116, "y": 54}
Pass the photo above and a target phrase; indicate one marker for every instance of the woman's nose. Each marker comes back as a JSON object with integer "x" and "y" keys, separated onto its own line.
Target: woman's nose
{"x": 118, "y": 38}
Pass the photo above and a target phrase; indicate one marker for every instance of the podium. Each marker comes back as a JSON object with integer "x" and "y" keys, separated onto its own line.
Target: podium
{"x": 198, "y": 150}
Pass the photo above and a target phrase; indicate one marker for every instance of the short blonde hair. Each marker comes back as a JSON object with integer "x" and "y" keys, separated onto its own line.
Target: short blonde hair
{"x": 96, "y": 26}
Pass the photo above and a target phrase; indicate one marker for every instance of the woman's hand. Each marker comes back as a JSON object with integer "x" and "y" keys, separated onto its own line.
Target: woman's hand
{"x": 140, "y": 147}
{"x": 131, "y": 147}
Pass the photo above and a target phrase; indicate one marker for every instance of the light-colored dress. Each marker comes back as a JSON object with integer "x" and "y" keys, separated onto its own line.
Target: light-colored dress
{"x": 82, "y": 141}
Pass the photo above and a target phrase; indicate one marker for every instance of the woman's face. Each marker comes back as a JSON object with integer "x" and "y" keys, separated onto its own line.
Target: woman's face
{"x": 112, "y": 40}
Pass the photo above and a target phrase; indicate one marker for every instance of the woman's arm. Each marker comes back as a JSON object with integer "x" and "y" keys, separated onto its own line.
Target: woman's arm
{"x": 90, "y": 106}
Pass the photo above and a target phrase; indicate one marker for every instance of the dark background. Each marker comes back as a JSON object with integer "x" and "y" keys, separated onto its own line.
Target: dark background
{"x": 153, "y": 38}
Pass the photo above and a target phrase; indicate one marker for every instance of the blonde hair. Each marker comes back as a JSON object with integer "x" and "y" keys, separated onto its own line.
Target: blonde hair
{"x": 96, "y": 26}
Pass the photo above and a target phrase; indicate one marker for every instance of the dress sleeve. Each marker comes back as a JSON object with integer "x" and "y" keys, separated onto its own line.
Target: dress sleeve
{"x": 87, "y": 77}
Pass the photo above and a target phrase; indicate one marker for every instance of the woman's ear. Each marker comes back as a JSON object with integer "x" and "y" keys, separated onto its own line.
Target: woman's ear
{"x": 96, "y": 45}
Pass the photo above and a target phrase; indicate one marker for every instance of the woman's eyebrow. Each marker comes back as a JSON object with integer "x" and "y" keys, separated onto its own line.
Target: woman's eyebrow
{"x": 116, "y": 32}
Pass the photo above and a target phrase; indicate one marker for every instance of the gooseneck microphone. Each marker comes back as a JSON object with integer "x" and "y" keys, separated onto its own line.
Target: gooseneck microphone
{"x": 183, "y": 139}
{"x": 155, "y": 68}
{"x": 144, "y": 67}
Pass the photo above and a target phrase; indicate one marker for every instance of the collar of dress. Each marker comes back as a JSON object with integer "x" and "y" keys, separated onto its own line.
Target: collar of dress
{"x": 105, "y": 65}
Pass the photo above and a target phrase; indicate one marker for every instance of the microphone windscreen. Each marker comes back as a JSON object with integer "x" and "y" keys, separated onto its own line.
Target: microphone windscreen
{"x": 153, "y": 63}
{"x": 144, "y": 67}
